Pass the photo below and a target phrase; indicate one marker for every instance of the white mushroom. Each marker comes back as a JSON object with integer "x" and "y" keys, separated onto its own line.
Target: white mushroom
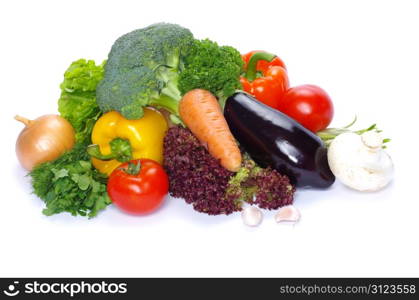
{"x": 359, "y": 161}
{"x": 252, "y": 216}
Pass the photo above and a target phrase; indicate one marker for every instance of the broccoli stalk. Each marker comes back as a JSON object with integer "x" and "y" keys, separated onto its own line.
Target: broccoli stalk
{"x": 170, "y": 95}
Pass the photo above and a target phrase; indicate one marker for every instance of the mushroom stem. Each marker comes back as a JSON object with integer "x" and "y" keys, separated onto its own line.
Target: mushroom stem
{"x": 372, "y": 140}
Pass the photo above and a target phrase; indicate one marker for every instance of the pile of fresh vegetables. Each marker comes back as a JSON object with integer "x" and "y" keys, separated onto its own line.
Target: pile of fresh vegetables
{"x": 168, "y": 113}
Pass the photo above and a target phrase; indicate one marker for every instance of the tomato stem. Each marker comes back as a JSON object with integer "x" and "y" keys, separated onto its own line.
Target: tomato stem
{"x": 251, "y": 71}
{"x": 133, "y": 168}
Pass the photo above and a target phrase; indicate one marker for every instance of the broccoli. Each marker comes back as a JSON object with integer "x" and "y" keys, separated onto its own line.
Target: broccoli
{"x": 156, "y": 65}
{"x": 213, "y": 68}
{"x": 142, "y": 69}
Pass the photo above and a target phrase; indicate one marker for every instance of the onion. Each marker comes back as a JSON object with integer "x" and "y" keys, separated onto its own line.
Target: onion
{"x": 43, "y": 139}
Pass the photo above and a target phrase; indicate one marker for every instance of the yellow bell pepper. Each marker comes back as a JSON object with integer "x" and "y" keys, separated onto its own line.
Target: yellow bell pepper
{"x": 117, "y": 139}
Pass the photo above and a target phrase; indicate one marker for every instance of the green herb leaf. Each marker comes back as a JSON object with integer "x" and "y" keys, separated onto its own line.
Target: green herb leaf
{"x": 84, "y": 182}
{"x": 59, "y": 173}
{"x": 71, "y": 184}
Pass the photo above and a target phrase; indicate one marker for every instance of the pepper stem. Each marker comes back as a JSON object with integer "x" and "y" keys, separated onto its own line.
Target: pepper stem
{"x": 253, "y": 61}
{"x": 120, "y": 150}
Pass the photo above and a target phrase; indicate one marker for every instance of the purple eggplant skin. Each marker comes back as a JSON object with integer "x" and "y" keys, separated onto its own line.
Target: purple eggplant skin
{"x": 273, "y": 139}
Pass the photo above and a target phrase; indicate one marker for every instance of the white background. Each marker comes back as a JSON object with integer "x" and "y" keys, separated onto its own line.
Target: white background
{"x": 365, "y": 54}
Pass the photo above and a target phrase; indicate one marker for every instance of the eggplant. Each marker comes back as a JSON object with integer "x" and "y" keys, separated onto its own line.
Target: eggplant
{"x": 273, "y": 139}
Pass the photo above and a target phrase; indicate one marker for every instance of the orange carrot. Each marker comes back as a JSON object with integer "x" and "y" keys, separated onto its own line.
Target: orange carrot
{"x": 201, "y": 112}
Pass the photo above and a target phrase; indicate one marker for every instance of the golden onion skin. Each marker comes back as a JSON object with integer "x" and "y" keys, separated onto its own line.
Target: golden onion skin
{"x": 43, "y": 139}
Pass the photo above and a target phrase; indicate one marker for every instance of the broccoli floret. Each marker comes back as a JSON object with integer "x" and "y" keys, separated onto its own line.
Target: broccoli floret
{"x": 156, "y": 65}
{"x": 213, "y": 68}
{"x": 143, "y": 68}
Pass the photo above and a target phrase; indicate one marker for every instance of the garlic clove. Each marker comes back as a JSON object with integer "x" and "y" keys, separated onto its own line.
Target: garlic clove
{"x": 252, "y": 216}
{"x": 288, "y": 214}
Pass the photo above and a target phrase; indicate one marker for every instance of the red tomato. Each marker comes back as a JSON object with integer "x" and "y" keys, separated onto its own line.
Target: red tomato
{"x": 309, "y": 105}
{"x": 138, "y": 186}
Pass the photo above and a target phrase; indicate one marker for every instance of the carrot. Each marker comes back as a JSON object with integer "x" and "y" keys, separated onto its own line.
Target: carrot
{"x": 201, "y": 112}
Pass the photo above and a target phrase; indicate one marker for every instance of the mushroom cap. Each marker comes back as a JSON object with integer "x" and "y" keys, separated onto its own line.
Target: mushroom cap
{"x": 359, "y": 162}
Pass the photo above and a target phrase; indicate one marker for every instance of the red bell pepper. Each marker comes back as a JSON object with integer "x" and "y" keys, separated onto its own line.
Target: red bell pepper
{"x": 265, "y": 77}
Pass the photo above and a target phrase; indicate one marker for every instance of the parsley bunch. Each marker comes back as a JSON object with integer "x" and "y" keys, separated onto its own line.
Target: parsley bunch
{"x": 71, "y": 184}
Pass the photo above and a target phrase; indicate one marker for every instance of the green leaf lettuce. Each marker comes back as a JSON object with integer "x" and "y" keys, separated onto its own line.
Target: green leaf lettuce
{"x": 77, "y": 102}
